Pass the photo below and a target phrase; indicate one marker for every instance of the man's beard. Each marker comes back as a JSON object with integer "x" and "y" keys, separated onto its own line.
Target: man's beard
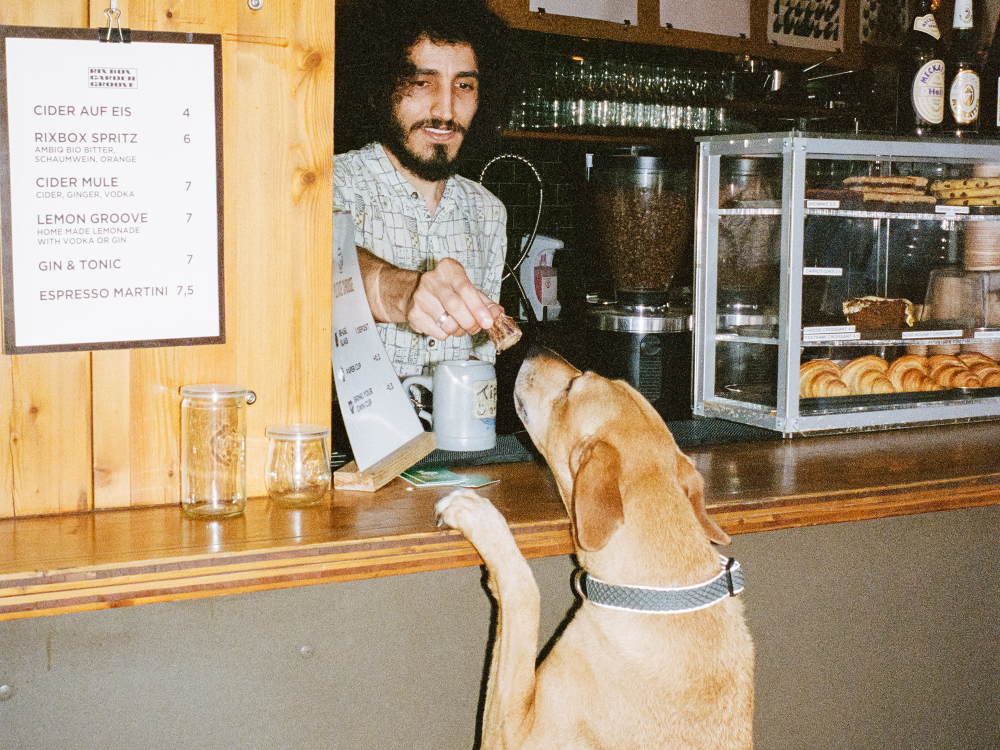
{"x": 439, "y": 167}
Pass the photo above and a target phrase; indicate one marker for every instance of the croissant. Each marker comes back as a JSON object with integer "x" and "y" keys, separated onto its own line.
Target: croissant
{"x": 955, "y": 376}
{"x": 867, "y": 375}
{"x": 938, "y": 361}
{"x": 909, "y": 374}
{"x": 989, "y": 374}
{"x": 820, "y": 378}
{"x": 972, "y": 358}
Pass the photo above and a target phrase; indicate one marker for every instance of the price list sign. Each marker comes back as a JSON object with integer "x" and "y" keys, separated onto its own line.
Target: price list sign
{"x": 111, "y": 190}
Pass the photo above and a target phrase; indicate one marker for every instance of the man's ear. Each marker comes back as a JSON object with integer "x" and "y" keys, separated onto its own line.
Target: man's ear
{"x": 694, "y": 487}
{"x": 597, "y": 500}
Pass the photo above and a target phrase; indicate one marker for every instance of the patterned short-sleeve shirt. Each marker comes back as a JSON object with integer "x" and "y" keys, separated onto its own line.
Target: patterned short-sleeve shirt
{"x": 391, "y": 220}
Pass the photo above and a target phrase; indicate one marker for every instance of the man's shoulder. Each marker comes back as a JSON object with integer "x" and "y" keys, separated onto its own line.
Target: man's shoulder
{"x": 474, "y": 192}
{"x": 364, "y": 160}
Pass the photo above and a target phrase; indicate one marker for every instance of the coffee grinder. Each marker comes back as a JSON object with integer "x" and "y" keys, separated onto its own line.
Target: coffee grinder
{"x": 641, "y": 214}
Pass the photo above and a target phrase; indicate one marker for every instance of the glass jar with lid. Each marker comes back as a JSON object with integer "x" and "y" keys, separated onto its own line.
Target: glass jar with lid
{"x": 298, "y": 464}
{"x": 213, "y": 449}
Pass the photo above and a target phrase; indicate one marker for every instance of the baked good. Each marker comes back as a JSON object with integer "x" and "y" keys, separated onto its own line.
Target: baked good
{"x": 821, "y": 378}
{"x": 938, "y": 362}
{"x": 868, "y": 313}
{"x": 957, "y": 376}
{"x": 504, "y": 333}
{"x": 988, "y": 374}
{"x": 866, "y": 375}
{"x": 912, "y": 182}
{"x": 974, "y": 183}
{"x": 970, "y": 358}
{"x": 993, "y": 200}
{"x": 909, "y": 374}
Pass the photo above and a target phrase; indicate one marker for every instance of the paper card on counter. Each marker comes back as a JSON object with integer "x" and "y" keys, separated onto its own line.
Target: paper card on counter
{"x": 376, "y": 410}
{"x": 475, "y": 481}
{"x": 615, "y": 11}
{"x": 725, "y": 17}
{"x": 431, "y": 477}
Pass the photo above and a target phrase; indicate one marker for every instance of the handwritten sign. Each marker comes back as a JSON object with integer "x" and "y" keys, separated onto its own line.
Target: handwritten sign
{"x": 376, "y": 410}
{"x": 112, "y": 212}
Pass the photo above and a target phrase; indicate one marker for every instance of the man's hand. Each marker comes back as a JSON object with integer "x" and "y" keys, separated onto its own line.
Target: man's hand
{"x": 439, "y": 303}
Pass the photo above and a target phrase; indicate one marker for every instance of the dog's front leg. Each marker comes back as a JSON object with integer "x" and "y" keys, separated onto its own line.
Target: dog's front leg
{"x": 509, "y": 709}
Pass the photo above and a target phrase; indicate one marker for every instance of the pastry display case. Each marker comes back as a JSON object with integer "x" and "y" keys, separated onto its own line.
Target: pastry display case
{"x": 847, "y": 283}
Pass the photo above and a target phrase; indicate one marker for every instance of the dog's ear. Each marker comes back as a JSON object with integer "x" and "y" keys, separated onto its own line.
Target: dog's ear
{"x": 694, "y": 487}
{"x": 597, "y": 498}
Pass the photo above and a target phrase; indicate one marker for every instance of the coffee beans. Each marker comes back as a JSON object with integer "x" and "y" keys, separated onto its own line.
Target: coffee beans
{"x": 644, "y": 234}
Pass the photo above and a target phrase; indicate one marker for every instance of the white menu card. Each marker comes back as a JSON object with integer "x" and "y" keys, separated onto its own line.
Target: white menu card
{"x": 111, "y": 190}
{"x": 377, "y": 412}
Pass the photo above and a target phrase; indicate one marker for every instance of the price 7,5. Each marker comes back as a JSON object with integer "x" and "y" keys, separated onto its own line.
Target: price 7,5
{"x": 185, "y": 291}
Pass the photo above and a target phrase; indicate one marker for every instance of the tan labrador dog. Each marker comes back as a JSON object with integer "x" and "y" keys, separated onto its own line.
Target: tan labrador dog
{"x": 620, "y": 676}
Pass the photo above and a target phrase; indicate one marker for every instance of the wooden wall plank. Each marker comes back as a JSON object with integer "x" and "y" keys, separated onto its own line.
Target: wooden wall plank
{"x": 278, "y": 135}
{"x": 47, "y": 468}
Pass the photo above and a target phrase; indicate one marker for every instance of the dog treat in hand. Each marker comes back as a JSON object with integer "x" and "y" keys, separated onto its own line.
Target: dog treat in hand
{"x": 504, "y": 333}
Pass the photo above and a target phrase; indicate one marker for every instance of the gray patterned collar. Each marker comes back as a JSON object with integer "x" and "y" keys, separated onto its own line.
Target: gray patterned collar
{"x": 728, "y": 582}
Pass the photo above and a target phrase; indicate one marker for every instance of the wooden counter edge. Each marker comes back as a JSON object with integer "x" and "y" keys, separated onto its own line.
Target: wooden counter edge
{"x": 165, "y": 579}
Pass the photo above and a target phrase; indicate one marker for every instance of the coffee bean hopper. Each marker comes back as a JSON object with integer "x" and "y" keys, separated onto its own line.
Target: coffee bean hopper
{"x": 642, "y": 214}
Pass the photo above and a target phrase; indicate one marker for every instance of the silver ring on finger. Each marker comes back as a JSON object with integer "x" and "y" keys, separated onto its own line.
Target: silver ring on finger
{"x": 442, "y": 318}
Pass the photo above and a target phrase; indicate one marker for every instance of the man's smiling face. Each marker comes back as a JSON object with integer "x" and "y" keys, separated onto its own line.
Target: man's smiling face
{"x": 434, "y": 108}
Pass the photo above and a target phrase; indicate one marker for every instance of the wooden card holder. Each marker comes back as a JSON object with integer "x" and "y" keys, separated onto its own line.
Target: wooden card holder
{"x": 386, "y": 469}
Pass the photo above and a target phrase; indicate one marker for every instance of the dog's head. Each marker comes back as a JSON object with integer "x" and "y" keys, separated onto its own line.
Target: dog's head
{"x": 612, "y": 456}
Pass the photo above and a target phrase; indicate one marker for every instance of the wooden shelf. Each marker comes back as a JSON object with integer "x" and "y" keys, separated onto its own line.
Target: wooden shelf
{"x": 123, "y": 557}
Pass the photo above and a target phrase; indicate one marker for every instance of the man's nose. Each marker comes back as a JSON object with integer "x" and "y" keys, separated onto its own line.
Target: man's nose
{"x": 442, "y": 105}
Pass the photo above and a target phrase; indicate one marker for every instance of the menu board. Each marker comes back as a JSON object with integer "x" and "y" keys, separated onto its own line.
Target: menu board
{"x": 111, "y": 202}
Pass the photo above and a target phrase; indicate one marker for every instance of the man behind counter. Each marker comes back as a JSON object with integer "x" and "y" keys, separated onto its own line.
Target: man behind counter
{"x": 431, "y": 243}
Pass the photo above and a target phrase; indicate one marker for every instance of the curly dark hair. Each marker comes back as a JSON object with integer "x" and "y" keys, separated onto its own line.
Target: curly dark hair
{"x": 373, "y": 44}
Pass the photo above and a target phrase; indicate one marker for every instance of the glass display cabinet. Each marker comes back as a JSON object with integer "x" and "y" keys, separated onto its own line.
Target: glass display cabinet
{"x": 847, "y": 283}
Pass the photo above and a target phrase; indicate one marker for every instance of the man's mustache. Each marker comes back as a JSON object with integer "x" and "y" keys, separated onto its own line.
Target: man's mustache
{"x": 439, "y": 125}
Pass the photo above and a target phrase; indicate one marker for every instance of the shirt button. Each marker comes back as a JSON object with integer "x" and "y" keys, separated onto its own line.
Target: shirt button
{"x": 414, "y": 196}
{"x": 432, "y": 344}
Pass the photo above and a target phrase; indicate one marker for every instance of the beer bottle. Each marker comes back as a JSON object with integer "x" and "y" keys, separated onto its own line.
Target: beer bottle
{"x": 921, "y": 75}
{"x": 989, "y": 97}
{"x": 963, "y": 74}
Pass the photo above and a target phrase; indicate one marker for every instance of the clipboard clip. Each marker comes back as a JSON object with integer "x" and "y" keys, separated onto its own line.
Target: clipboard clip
{"x": 113, "y": 14}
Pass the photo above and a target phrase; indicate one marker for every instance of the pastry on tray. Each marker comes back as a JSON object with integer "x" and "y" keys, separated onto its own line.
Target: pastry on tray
{"x": 820, "y": 378}
{"x": 911, "y": 373}
{"x": 874, "y": 313}
{"x": 867, "y": 375}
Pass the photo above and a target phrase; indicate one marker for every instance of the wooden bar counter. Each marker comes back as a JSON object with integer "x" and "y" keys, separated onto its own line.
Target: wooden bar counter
{"x": 117, "y": 558}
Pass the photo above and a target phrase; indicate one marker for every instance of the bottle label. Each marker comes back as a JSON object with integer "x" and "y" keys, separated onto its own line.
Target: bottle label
{"x": 927, "y": 24}
{"x": 963, "y": 15}
{"x": 928, "y": 92}
{"x": 964, "y": 97}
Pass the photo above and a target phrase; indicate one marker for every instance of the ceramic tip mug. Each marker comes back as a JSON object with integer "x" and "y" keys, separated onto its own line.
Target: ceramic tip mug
{"x": 464, "y": 404}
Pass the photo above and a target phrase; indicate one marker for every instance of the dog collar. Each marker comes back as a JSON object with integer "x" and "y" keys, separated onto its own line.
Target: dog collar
{"x": 729, "y": 582}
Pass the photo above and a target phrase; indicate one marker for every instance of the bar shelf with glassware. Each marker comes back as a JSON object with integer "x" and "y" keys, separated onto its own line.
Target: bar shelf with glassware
{"x": 846, "y": 283}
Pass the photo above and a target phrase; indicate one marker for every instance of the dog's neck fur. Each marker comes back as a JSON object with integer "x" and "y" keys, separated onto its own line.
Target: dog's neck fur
{"x": 676, "y": 553}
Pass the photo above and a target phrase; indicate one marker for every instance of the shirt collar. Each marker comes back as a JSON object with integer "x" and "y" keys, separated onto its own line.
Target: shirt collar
{"x": 404, "y": 188}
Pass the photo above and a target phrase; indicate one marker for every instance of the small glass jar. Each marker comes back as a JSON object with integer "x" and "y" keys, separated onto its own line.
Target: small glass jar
{"x": 298, "y": 464}
{"x": 213, "y": 450}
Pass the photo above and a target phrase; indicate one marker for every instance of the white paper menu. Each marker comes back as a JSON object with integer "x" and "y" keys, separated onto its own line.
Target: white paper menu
{"x": 615, "y": 11}
{"x": 724, "y": 17}
{"x": 111, "y": 191}
{"x": 377, "y": 412}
